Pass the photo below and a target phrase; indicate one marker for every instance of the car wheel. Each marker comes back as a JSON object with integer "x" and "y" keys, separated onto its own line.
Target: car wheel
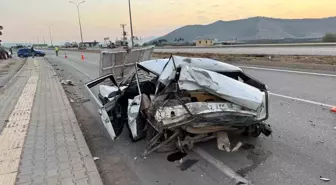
{"x": 21, "y": 56}
{"x": 37, "y": 55}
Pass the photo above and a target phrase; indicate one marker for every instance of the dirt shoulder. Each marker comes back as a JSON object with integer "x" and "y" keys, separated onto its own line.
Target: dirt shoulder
{"x": 8, "y": 68}
{"x": 297, "y": 61}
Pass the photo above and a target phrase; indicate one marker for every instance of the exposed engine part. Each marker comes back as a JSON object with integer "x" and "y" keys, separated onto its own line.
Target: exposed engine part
{"x": 208, "y": 129}
{"x": 190, "y": 141}
{"x": 154, "y": 144}
{"x": 223, "y": 142}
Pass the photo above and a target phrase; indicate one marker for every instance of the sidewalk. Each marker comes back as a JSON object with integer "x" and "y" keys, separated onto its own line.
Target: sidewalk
{"x": 40, "y": 140}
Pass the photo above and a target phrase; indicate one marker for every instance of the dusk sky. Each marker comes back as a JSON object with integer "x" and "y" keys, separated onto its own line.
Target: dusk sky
{"x": 25, "y": 20}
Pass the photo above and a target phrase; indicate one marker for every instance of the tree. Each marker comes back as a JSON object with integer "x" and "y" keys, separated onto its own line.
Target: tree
{"x": 329, "y": 37}
{"x": 162, "y": 40}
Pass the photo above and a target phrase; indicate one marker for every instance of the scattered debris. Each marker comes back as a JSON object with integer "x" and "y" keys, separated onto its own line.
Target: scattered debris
{"x": 72, "y": 100}
{"x": 135, "y": 158}
{"x": 239, "y": 144}
{"x": 223, "y": 142}
{"x": 313, "y": 124}
{"x": 95, "y": 158}
{"x": 67, "y": 82}
{"x": 181, "y": 161}
{"x": 334, "y": 128}
{"x": 324, "y": 179}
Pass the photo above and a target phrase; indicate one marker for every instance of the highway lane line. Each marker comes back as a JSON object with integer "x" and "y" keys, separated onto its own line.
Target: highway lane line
{"x": 220, "y": 166}
{"x": 288, "y": 71}
{"x": 302, "y": 100}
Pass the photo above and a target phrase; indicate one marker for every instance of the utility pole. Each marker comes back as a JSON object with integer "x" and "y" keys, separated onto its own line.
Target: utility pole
{"x": 43, "y": 40}
{"x": 79, "y": 20}
{"x": 124, "y": 38}
{"x": 131, "y": 25}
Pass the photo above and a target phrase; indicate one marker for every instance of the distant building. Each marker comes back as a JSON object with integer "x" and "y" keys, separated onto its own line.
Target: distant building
{"x": 205, "y": 42}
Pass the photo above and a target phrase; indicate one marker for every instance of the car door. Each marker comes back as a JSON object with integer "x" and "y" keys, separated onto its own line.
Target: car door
{"x": 27, "y": 53}
{"x": 103, "y": 109}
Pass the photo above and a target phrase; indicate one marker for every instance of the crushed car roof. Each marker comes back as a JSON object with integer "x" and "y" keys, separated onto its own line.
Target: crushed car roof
{"x": 157, "y": 66}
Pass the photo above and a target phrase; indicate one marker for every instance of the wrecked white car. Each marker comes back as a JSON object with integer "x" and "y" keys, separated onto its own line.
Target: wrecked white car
{"x": 180, "y": 101}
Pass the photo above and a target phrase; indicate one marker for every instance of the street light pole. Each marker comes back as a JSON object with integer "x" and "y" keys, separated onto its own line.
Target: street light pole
{"x": 79, "y": 20}
{"x": 131, "y": 25}
{"x": 50, "y": 36}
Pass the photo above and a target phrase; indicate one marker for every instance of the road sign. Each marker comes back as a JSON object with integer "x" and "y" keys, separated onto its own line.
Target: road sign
{"x": 107, "y": 38}
{"x": 0, "y": 33}
{"x": 1, "y": 27}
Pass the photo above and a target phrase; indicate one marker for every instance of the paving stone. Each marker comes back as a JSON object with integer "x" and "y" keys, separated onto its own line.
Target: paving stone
{"x": 54, "y": 151}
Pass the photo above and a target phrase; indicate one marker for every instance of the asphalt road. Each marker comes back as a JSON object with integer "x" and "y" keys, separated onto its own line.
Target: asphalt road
{"x": 300, "y": 150}
{"x": 285, "y": 50}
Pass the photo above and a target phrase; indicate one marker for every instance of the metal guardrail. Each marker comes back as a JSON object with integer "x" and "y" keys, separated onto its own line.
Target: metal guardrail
{"x": 121, "y": 63}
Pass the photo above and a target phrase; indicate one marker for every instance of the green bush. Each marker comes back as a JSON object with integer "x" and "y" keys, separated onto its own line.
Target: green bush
{"x": 329, "y": 37}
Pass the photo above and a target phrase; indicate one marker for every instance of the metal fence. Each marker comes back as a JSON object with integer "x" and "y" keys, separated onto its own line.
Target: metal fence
{"x": 121, "y": 63}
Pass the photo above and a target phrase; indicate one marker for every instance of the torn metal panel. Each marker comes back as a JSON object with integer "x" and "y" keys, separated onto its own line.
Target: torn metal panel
{"x": 167, "y": 72}
{"x": 192, "y": 79}
{"x": 107, "y": 123}
{"x": 106, "y": 90}
{"x": 133, "y": 112}
{"x": 155, "y": 66}
{"x": 208, "y": 113}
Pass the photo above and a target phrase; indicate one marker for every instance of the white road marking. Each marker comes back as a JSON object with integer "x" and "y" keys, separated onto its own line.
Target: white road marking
{"x": 220, "y": 165}
{"x": 13, "y": 135}
{"x": 288, "y": 71}
{"x": 302, "y": 100}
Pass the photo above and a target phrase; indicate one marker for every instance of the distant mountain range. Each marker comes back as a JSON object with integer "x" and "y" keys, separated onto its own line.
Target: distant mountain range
{"x": 256, "y": 28}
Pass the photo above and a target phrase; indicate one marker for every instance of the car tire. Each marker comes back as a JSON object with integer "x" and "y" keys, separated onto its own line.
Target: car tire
{"x": 37, "y": 55}
{"x": 21, "y": 56}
